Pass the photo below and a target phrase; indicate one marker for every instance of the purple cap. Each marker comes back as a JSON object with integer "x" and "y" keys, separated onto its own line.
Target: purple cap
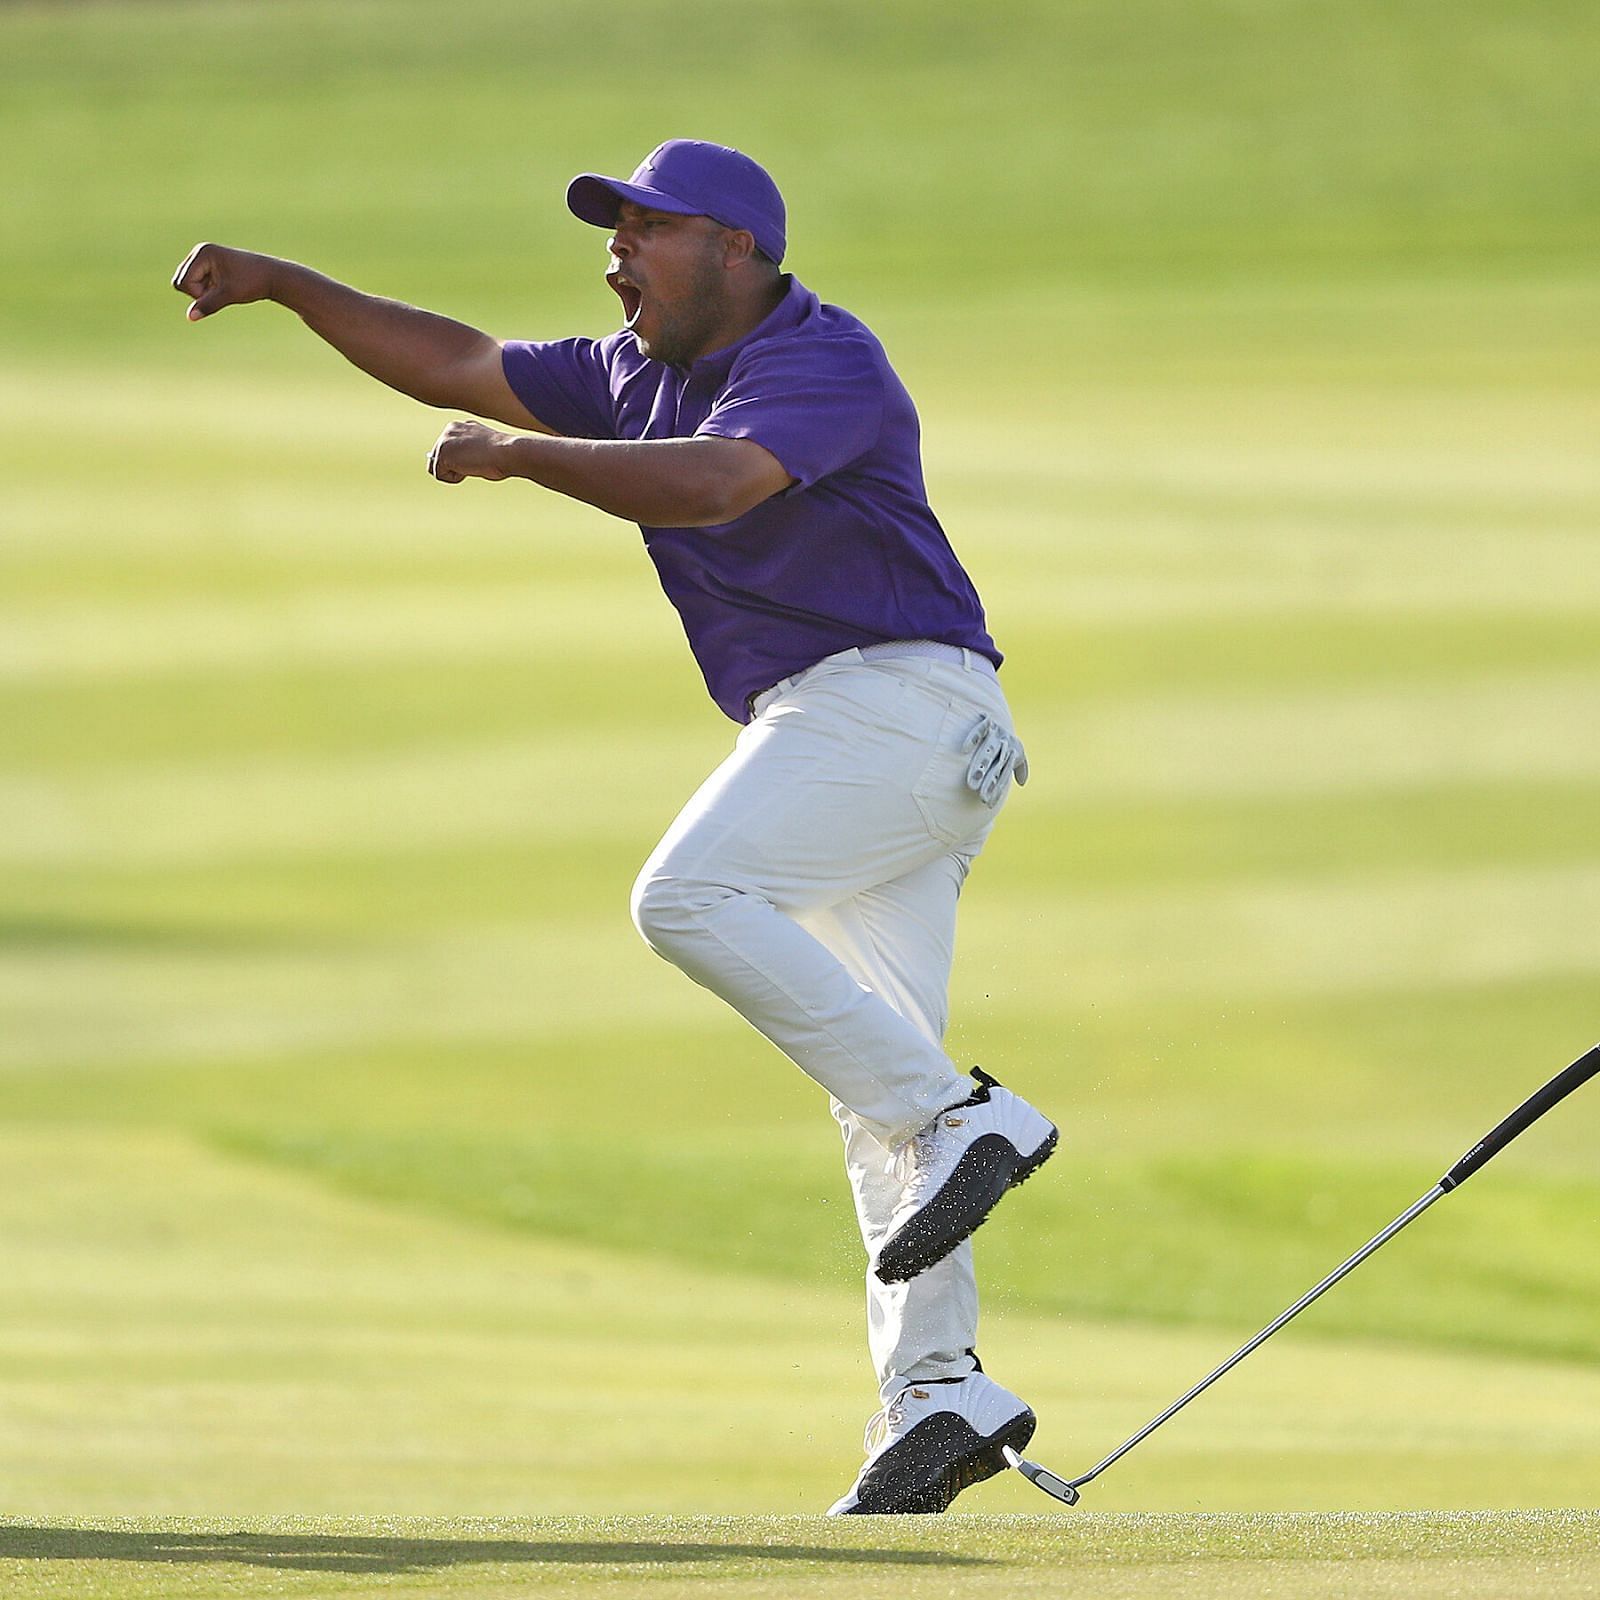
{"x": 692, "y": 178}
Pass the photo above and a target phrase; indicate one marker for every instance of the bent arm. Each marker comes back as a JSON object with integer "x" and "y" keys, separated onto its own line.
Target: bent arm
{"x": 663, "y": 483}
{"x": 431, "y": 358}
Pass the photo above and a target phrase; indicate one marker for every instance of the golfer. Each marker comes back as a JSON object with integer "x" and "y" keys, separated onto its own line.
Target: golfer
{"x": 771, "y": 458}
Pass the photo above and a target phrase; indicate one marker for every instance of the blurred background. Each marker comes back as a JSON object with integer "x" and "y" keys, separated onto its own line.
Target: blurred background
{"x": 356, "y": 1156}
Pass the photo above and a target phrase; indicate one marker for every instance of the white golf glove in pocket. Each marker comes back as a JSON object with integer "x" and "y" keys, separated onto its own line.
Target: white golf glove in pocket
{"x": 997, "y": 754}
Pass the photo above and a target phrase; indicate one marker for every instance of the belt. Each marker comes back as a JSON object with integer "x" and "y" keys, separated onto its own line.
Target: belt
{"x": 929, "y": 649}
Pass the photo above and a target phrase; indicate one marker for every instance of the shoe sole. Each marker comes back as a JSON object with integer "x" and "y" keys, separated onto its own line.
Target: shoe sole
{"x": 984, "y": 1458}
{"x": 961, "y": 1207}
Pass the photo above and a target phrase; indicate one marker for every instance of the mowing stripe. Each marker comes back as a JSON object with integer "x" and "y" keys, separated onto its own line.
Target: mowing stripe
{"x": 1365, "y": 935}
{"x": 101, "y": 1004}
{"x": 535, "y": 621}
{"x": 1383, "y": 737}
{"x": 556, "y": 615}
{"x": 1378, "y": 738}
{"x": 112, "y": 1002}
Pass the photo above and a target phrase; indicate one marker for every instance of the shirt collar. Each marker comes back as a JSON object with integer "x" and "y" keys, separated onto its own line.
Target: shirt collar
{"x": 785, "y": 315}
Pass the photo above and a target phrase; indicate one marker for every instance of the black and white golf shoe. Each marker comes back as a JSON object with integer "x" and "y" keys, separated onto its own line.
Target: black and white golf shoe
{"x": 955, "y": 1171}
{"x": 932, "y": 1441}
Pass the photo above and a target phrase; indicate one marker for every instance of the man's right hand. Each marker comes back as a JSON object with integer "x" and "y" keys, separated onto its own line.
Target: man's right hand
{"x": 215, "y": 276}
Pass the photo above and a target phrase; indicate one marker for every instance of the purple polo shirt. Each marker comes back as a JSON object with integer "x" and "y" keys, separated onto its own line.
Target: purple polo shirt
{"x": 849, "y": 555}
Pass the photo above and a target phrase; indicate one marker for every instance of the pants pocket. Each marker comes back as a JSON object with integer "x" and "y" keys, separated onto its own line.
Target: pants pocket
{"x": 952, "y": 812}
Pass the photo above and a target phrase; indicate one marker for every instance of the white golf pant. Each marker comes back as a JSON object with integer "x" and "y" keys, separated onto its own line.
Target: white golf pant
{"x": 812, "y": 882}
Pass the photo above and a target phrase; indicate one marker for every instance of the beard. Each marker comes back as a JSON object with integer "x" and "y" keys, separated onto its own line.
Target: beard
{"x": 686, "y": 327}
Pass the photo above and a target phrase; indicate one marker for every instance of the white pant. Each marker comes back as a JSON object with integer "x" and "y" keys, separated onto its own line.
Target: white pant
{"x": 811, "y": 882}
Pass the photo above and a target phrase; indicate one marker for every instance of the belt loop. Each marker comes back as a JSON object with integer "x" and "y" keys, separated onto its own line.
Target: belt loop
{"x": 966, "y": 659}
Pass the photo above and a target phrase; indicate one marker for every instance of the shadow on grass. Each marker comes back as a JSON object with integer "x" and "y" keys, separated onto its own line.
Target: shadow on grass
{"x": 357, "y": 1554}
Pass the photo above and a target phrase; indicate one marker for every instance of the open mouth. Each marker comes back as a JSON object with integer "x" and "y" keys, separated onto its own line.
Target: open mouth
{"x": 629, "y": 294}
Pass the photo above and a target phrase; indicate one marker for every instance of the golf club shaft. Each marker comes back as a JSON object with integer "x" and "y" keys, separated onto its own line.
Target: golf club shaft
{"x": 1409, "y": 1215}
{"x": 1492, "y": 1143}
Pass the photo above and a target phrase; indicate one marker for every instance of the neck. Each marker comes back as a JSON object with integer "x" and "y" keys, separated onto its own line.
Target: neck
{"x": 745, "y": 316}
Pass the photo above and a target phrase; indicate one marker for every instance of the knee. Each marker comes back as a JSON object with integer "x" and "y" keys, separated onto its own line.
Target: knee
{"x": 667, "y": 909}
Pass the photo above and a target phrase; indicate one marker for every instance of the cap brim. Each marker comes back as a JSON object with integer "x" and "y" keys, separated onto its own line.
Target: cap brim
{"x": 592, "y": 198}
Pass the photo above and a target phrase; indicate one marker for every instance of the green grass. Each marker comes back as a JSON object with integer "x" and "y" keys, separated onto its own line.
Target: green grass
{"x": 1534, "y": 1554}
{"x": 1214, "y": 1239}
{"x": 186, "y": 1334}
{"x": 358, "y": 1161}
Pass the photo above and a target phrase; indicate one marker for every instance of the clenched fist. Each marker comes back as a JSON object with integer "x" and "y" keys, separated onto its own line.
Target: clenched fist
{"x": 215, "y": 276}
{"x": 470, "y": 450}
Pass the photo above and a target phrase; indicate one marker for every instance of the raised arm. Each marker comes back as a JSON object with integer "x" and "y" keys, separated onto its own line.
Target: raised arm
{"x": 429, "y": 357}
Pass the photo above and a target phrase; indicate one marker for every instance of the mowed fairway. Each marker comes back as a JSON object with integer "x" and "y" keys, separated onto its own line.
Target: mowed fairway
{"x": 358, "y": 1164}
{"x": 1229, "y": 1558}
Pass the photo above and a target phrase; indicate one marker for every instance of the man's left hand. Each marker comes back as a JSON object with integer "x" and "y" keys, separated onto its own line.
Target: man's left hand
{"x": 469, "y": 450}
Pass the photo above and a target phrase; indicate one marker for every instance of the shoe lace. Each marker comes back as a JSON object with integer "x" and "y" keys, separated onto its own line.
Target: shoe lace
{"x": 910, "y": 1161}
{"x": 883, "y": 1423}
{"x": 912, "y": 1158}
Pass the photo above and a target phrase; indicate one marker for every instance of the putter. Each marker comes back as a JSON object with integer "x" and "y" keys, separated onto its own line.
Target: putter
{"x": 1529, "y": 1112}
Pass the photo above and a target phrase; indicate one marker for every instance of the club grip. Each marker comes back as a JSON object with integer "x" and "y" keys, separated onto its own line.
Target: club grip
{"x": 1528, "y": 1113}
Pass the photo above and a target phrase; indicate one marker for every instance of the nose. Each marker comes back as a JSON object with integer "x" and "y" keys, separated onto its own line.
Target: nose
{"x": 618, "y": 245}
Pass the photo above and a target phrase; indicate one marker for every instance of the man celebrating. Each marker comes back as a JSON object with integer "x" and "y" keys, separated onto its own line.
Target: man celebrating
{"x": 772, "y": 459}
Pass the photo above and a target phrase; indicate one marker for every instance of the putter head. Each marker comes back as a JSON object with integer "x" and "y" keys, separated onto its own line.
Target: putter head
{"x": 1041, "y": 1477}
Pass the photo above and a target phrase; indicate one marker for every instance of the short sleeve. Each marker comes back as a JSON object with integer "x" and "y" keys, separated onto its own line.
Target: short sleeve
{"x": 566, "y": 384}
{"x": 816, "y": 404}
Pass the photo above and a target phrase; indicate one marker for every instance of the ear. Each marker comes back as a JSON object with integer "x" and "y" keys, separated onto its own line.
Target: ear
{"x": 738, "y": 247}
